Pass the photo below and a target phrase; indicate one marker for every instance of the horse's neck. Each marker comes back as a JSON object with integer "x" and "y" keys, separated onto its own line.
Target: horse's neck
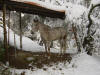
{"x": 43, "y": 27}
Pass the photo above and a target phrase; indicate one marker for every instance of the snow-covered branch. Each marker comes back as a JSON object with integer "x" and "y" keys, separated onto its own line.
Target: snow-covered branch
{"x": 89, "y": 18}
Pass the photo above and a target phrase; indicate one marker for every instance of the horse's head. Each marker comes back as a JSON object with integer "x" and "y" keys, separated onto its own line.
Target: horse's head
{"x": 35, "y": 26}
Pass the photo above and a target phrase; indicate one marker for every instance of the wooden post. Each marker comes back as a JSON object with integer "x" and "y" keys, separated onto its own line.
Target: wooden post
{"x": 20, "y": 31}
{"x": 5, "y": 32}
{"x": 8, "y": 27}
{"x": 15, "y": 45}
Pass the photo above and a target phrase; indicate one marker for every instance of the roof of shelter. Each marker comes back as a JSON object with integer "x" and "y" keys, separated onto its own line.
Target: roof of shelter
{"x": 35, "y": 7}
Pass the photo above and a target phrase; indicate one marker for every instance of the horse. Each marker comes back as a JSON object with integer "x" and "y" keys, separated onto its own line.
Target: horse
{"x": 49, "y": 34}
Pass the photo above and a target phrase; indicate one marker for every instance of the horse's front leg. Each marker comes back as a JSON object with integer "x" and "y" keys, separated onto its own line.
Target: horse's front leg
{"x": 45, "y": 44}
{"x": 48, "y": 45}
{"x": 61, "y": 46}
{"x": 45, "y": 47}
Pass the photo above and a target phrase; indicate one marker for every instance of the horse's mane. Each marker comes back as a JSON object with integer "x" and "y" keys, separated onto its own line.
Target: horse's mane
{"x": 44, "y": 25}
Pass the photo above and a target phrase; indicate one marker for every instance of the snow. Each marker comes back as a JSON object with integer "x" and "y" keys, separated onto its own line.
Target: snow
{"x": 27, "y": 43}
{"x": 45, "y": 4}
{"x": 94, "y": 2}
{"x": 74, "y": 11}
{"x": 82, "y": 64}
{"x": 95, "y": 20}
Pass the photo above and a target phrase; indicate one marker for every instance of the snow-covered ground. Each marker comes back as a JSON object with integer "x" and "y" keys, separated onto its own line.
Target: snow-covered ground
{"x": 81, "y": 64}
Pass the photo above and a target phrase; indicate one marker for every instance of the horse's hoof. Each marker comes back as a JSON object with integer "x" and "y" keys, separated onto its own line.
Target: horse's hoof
{"x": 48, "y": 57}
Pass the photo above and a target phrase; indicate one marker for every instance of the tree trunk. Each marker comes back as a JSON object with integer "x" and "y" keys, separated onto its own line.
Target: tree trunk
{"x": 75, "y": 35}
{"x": 88, "y": 39}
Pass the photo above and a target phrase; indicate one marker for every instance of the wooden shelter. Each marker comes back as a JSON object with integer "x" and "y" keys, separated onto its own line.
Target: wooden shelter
{"x": 31, "y": 8}
{"x": 25, "y": 7}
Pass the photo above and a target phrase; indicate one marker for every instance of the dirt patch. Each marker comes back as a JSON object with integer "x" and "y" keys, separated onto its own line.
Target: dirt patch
{"x": 25, "y": 59}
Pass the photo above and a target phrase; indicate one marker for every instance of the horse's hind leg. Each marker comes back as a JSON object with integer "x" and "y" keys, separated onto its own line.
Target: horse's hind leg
{"x": 45, "y": 44}
{"x": 64, "y": 46}
{"x": 46, "y": 48}
{"x": 61, "y": 46}
{"x": 64, "y": 41}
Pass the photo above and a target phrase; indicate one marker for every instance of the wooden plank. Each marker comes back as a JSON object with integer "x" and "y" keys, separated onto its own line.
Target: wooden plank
{"x": 8, "y": 27}
{"x": 20, "y": 31}
{"x": 5, "y": 33}
{"x": 40, "y": 4}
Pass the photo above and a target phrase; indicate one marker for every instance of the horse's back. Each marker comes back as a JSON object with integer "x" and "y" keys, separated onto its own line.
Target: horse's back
{"x": 50, "y": 34}
{"x": 60, "y": 30}
{"x": 56, "y": 33}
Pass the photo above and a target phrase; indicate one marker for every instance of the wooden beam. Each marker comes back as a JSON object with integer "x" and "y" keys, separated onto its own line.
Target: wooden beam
{"x": 8, "y": 27}
{"x": 20, "y": 31}
{"x": 5, "y": 32}
{"x": 33, "y": 9}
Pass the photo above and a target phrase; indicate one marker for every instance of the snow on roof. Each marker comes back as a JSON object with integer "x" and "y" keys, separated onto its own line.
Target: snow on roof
{"x": 43, "y": 4}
